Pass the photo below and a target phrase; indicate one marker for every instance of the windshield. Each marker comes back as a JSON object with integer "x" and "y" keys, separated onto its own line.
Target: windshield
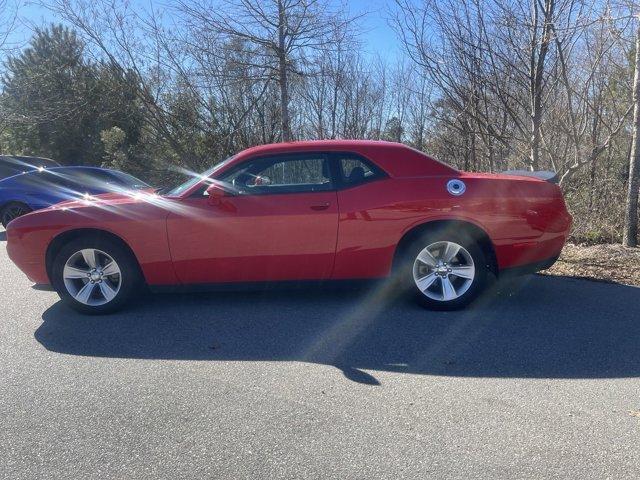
{"x": 195, "y": 179}
{"x": 130, "y": 181}
{"x": 10, "y": 166}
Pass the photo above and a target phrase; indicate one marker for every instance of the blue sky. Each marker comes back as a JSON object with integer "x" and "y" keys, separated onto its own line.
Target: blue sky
{"x": 377, "y": 38}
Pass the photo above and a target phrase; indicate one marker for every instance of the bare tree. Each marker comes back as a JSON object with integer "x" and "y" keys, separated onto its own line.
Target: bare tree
{"x": 8, "y": 21}
{"x": 630, "y": 238}
{"x": 284, "y": 36}
{"x": 494, "y": 59}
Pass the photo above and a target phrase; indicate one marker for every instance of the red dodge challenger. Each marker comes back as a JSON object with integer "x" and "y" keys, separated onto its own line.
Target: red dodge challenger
{"x": 321, "y": 210}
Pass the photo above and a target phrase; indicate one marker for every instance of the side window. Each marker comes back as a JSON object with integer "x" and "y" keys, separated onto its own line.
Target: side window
{"x": 91, "y": 179}
{"x": 309, "y": 173}
{"x": 129, "y": 181}
{"x": 355, "y": 170}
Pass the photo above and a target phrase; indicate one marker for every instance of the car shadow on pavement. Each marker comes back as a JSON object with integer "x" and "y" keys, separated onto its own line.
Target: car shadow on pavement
{"x": 534, "y": 327}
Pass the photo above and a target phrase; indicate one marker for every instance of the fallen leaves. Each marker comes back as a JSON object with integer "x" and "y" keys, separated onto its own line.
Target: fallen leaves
{"x": 607, "y": 262}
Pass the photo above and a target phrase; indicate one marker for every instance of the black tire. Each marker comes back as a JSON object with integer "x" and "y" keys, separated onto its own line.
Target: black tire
{"x": 405, "y": 270}
{"x": 130, "y": 276}
{"x": 11, "y": 211}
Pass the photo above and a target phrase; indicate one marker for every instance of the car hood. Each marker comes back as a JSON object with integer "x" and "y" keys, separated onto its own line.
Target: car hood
{"x": 97, "y": 210}
{"x": 109, "y": 199}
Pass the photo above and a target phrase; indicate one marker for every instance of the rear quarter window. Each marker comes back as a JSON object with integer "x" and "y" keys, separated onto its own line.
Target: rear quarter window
{"x": 355, "y": 170}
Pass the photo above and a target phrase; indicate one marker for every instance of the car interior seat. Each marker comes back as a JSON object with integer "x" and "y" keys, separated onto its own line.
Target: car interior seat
{"x": 356, "y": 175}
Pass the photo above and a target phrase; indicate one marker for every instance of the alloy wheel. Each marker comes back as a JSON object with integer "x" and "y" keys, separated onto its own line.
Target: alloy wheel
{"x": 444, "y": 271}
{"x": 92, "y": 277}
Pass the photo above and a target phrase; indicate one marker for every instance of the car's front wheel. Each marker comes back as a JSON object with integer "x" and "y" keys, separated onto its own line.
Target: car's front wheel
{"x": 12, "y": 211}
{"x": 445, "y": 271}
{"x": 95, "y": 275}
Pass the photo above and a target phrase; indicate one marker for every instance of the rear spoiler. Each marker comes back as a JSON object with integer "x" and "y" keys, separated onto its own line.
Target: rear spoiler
{"x": 546, "y": 175}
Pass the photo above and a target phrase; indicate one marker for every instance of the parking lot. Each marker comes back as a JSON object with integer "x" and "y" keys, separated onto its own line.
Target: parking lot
{"x": 538, "y": 379}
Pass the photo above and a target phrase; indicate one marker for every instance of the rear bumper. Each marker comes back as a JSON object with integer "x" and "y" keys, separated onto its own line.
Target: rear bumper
{"x": 520, "y": 254}
{"x": 529, "y": 267}
{"x": 534, "y": 254}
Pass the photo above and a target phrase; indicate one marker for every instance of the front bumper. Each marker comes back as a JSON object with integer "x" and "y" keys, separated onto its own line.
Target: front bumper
{"x": 27, "y": 256}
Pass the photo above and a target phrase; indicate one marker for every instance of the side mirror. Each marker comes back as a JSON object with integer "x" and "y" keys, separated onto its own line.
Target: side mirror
{"x": 215, "y": 192}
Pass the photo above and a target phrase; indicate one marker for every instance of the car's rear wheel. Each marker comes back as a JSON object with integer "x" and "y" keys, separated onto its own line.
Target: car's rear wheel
{"x": 12, "y": 211}
{"x": 445, "y": 271}
{"x": 95, "y": 275}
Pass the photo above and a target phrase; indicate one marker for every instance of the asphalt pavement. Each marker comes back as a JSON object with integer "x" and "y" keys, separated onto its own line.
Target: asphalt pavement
{"x": 539, "y": 379}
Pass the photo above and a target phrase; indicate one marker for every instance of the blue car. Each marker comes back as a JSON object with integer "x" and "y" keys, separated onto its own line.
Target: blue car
{"x": 25, "y": 192}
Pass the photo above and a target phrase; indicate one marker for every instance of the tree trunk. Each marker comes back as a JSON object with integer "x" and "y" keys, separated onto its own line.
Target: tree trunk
{"x": 282, "y": 74}
{"x": 630, "y": 237}
{"x": 536, "y": 73}
{"x": 534, "y": 159}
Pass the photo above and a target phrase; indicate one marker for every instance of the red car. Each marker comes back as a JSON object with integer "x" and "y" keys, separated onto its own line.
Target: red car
{"x": 321, "y": 210}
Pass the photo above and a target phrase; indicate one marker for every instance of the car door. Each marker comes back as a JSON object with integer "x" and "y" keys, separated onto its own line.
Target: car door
{"x": 368, "y": 229}
{"x": 279, "y": 223}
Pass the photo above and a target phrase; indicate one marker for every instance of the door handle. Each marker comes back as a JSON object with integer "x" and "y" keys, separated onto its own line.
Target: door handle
{"x": 321, "y": 206}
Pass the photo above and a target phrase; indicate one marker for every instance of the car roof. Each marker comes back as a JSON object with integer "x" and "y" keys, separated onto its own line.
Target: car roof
{"x": 328, "y": 145}
{"x": 397, "y": 159}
